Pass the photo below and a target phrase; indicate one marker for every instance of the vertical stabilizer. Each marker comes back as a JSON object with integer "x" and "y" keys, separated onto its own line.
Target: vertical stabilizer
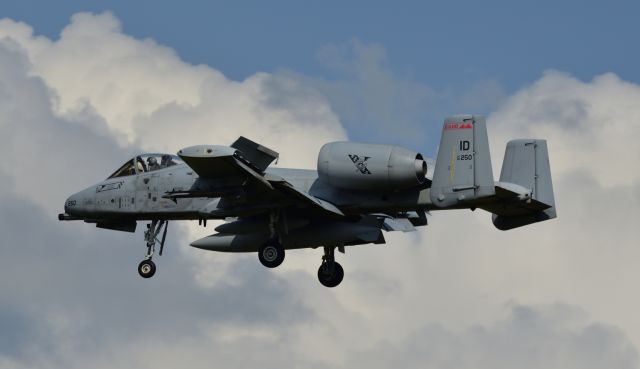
{"x": 463, "y": 166}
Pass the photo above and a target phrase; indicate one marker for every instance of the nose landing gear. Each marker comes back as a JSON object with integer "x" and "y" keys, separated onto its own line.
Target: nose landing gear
{"x": 147, "y": 268}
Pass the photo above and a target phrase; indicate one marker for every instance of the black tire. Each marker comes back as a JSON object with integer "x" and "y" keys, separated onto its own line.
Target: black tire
{"x": 271, "y": 254}
{"x": 330, "y": 278}
{"x": 146, "y": 268}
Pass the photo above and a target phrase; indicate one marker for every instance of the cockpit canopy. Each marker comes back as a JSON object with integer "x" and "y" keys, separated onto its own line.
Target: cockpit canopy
{"x": 146, "y": 163}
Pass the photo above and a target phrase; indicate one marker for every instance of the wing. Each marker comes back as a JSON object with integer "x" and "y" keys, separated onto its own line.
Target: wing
{"x": 246, "y": 162}
{"x": 218, "y": 162}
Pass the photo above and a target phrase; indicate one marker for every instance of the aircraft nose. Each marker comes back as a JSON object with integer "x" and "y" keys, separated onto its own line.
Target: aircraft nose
{"x": 71, "y": 205}
{"x": 77, "y": 203}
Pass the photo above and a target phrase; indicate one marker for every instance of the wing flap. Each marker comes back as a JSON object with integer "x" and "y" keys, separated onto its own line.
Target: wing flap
{"x": 259, "y": 156}
{"x": 308, "y": 199}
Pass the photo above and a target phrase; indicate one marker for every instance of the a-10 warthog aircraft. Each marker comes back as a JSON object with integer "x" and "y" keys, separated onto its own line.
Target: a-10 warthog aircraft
{"x": 357, "y": 191}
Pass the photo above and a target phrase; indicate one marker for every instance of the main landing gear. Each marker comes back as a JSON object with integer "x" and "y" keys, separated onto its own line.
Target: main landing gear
{"x": 271, "y": 254}
{"x": 147, "y": 268}
{"x": 330, "y": 273}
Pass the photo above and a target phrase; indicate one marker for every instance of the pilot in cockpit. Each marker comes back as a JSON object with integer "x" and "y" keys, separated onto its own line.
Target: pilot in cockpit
{"x": 152, "y": 164}
{"x": 166, "y": 161}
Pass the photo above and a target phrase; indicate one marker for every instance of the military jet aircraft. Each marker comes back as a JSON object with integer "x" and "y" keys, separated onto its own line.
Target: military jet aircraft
{"x": 358, "y": 191}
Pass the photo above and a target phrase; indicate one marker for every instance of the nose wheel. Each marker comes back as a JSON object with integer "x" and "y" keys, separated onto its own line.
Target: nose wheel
{"x": 330, "y": 273}
{"x": 147, "y": 268}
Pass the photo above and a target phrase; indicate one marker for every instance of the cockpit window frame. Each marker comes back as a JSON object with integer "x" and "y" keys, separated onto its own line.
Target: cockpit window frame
{"x": 122, "y": 171}
{"x": 159, "y": 164}
{"x": 139, "y": 166}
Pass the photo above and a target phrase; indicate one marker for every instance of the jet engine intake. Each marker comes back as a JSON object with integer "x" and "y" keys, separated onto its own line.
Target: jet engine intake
{"x": 362, "y": 166}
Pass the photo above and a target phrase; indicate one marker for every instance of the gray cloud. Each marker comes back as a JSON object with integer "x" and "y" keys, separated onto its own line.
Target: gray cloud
{"x": 38, "y": 146}
{"x": 376, "y": 103}
{"x": 70, "y": 291}
{"x": 78, "y": 283}
{"x": 373, "y": 103}
{"x": 70, "y": 296}
{"x": 553, "y": 336}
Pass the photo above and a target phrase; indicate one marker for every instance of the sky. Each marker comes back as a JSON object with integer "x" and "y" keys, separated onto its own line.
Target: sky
{"x": 84, "y": 86}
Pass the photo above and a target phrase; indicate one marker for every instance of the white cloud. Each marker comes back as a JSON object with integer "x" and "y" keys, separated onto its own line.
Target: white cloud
{"x": 461, "y": 269}
{"x": 45, "y": 155}
{"x": 149, "y": 97}
{"x": 593, "y": 127}
{"x": 72, "y": 109}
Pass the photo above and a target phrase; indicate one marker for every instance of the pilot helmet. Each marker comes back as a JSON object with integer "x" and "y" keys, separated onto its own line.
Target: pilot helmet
{"x": 152, "y": 160}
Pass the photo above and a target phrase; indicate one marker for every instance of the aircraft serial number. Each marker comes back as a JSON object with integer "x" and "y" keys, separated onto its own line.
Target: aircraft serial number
{"x": 465, "y": 157}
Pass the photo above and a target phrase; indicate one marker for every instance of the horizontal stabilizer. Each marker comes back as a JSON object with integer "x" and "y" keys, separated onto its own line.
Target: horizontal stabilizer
{"x": 523, "y": 197}
{"x": 524, "y": 194}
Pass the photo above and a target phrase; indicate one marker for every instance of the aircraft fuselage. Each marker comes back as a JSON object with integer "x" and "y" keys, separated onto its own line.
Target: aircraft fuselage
{"x": 143, "y": 196}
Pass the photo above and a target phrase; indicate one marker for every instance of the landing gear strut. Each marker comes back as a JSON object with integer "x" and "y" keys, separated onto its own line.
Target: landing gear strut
{"x": 147, "y": 268}
{"x": 330, "y": 273}
{"x": 271, "y": 253}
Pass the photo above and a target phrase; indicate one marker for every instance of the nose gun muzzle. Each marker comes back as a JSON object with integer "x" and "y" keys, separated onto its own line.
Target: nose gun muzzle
{"x": 66, "y": 216}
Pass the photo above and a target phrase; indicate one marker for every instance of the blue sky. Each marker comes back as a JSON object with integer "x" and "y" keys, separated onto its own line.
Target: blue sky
{"x": 447, "y": 50}
{"x": 436, "y": 43}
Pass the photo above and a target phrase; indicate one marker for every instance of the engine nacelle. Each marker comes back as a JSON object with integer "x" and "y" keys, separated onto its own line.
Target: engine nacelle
{"x": 361, "y": 166}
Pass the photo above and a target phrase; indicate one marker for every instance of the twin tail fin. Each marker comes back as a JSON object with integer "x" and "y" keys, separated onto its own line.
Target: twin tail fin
{"x": 463, "y": 176}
